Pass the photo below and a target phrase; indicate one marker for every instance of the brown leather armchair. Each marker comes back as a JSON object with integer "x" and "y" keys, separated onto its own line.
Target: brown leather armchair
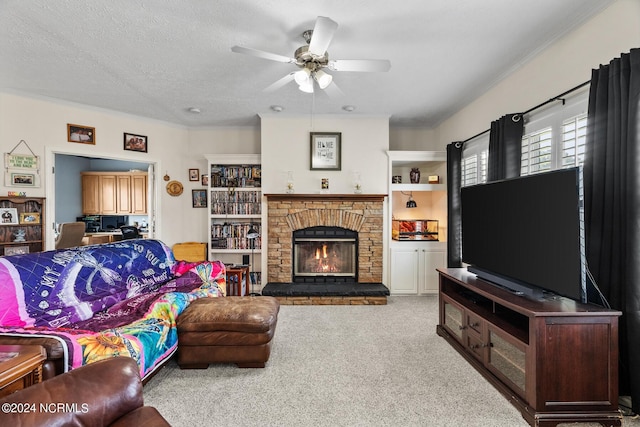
{"x": 105, "y": 393}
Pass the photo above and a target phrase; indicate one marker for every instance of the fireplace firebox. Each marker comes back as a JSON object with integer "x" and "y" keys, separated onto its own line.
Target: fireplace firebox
{"x": 325, "y": 255}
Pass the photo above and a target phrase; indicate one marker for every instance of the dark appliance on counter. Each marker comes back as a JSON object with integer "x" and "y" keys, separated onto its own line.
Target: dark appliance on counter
{"x": 112, "y": 222}
{"x": 92, "y": 223}
{"x": 103, "y": 223}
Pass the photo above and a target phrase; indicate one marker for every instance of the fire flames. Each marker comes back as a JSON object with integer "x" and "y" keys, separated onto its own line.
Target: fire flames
{"x": 324, "y": 262}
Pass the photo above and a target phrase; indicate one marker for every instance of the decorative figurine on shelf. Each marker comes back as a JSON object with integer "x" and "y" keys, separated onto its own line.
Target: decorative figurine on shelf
{"x": 357, "y": 183}
{"x": 414, "y": 176}
{"x": 20, "y": 235}
{"x": 289, "y": 182}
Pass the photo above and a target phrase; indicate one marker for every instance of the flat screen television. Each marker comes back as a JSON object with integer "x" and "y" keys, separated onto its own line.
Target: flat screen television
{"x": 527, "y": 233}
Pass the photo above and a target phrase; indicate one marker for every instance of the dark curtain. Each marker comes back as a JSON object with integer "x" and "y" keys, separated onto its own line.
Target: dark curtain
{"x": 505, "y": 147}
{"x": 454, "y": 215}
{"x": 612, "y": 203}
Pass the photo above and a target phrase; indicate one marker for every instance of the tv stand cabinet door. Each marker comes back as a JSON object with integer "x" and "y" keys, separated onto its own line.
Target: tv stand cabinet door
{"x": 452, "y": 318}
{"x": 580, "y": 355}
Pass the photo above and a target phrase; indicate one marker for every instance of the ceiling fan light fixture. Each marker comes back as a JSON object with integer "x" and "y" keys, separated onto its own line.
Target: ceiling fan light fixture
{"x": 323, "y": 78}
{"x": 306, "y": 87}
{"x": 303, "y": 76}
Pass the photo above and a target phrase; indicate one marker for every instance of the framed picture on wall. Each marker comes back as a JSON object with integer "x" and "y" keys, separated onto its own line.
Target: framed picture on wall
{"x": 20, "y": 179}
{"x": 194, "y": 174}
{"x": 133, "y": 142}
{"x": 199, "y": 198}
{"x": 81, "y": 134}
{"x": 326, "y": 151}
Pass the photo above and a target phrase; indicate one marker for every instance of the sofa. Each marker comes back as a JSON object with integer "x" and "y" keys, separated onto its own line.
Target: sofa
{"x": 91, "y": 303}
{"x": 105, "y": 393}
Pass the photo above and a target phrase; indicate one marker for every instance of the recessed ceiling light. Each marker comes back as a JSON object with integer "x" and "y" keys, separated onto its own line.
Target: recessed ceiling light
{"x": 277, "y": 108}
{"x": 194, "y": 110}
{"x": 349, "y": 108}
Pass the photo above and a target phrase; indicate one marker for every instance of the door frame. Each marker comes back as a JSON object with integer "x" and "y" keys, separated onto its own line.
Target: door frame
{"x": 153, "y": 201}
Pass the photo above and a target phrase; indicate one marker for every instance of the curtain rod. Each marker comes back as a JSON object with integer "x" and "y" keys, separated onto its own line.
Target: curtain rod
{"x": 555, "y": 98}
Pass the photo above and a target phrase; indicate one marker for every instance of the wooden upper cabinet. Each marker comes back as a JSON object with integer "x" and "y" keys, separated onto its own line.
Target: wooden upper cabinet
{"x": 139, "y": 194}
{"x": 91, "y": 203}
{"x": 109, "y": 193}
{"x": 123, "y": 194}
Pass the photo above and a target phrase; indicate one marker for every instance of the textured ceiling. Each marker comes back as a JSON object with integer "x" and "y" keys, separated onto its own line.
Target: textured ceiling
{"x": 159, "y": 58}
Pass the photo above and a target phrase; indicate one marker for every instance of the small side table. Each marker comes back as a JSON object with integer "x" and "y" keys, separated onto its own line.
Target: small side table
{"x": 236, "y": 277}
{"x": 20, "y": 367}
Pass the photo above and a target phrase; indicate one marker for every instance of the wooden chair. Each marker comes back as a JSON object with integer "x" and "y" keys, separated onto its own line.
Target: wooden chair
{"x": 71, "y": 234}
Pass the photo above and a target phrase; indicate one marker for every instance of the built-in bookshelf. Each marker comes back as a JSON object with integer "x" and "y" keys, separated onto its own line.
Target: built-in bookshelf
{"x": 235, "y": 207}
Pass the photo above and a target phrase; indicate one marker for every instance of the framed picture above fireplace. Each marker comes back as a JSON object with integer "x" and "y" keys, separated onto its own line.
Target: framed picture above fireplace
{"x": 326, "y": 151}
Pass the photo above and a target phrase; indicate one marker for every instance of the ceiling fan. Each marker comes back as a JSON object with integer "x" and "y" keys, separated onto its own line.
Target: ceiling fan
{"x": 313, "y": 59}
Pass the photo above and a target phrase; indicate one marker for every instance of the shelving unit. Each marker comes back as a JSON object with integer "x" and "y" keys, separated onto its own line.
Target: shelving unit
{"x": 413, "y": 263}
{"x": 235, "y": 206}
{"x": 553, "y": 358}
{"x": 31, "y": 227}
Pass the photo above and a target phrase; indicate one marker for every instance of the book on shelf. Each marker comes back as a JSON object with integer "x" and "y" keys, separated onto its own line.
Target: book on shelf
{"x": 233, "y": 236}
{"x": 235, "y": 203}
{"x": 235, "y": 176}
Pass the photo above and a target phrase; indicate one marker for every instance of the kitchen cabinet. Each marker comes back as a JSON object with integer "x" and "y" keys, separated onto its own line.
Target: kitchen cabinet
{"x": 114, "y": 193}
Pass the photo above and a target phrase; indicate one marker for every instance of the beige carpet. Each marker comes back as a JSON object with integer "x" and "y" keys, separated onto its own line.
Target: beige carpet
{"x": 342, "y": 366}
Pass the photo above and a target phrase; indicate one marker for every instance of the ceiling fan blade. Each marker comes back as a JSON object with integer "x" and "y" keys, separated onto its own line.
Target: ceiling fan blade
{"x": 262, "y": 54}
{"x": 333, "y": 91}
{"x": 280, "y": 83}
{"x": 322, "y": 35}
{"x": 365, "y": 65}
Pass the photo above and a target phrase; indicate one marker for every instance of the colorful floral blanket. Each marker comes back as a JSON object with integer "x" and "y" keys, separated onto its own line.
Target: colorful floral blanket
{"x": 104, "y": 300}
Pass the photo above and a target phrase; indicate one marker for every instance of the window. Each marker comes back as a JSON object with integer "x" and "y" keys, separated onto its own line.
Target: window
{"x": 553, "y": 138}
{"x": 536, "y": 152}
{"x": 574, "y": 135}
{"x": 474, "y": 161}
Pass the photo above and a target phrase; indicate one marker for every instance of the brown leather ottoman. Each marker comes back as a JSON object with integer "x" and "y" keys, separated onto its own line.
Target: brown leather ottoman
{"x": 227, "y": 330}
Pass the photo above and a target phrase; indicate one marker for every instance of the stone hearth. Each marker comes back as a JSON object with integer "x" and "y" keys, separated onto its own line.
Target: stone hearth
{"x": 362, "y": 213}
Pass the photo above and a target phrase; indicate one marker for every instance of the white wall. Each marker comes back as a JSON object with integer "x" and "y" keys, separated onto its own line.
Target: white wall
{"x": 286, "y": 147}
{"x": 562, "y": 66}
{"x": 42, "y": 123}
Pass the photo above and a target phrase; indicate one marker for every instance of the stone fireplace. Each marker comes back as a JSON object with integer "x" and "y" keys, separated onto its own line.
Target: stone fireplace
{"x": 352, "y": 219}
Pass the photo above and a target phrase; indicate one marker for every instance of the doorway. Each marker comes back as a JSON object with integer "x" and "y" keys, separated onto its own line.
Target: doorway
{"x": 64, "y": 188}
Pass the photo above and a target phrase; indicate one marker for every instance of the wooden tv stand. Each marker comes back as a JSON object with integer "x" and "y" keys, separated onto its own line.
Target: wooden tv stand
{"x": 554, "y": 359}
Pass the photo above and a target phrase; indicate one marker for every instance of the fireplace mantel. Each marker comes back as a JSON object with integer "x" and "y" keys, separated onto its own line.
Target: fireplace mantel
{"x": 325, "y": 196}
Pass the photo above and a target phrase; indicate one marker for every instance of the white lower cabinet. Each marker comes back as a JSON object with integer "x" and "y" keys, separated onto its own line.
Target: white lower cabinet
{"x": 413, "y": 267}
